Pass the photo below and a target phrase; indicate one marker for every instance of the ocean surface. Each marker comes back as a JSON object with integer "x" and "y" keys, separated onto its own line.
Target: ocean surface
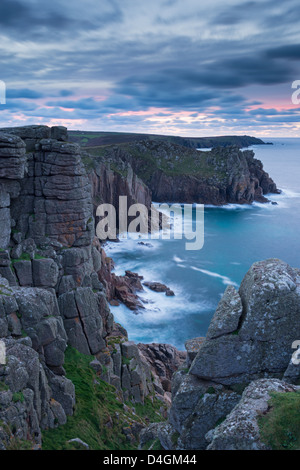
{"x": 234, "y": 237}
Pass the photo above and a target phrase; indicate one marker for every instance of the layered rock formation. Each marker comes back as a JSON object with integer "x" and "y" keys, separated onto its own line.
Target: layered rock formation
{"x": 250, "y": 338}
{"x": 51, "y": 294}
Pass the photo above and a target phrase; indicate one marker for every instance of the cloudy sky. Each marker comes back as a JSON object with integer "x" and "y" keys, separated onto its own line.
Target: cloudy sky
{"x": 193, "y": 67}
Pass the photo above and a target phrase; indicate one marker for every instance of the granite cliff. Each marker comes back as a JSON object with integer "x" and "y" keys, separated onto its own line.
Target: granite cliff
{"x": 59, "y": 333}
{"x": 53, "y": 290}
{"x": 175, "y": 173}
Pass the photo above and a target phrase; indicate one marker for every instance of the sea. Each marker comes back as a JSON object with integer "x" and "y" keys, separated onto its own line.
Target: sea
{"x": 235, "y": 236}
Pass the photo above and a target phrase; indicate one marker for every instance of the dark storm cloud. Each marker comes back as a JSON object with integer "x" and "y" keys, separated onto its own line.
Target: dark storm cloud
{"x": 19, "y": 17}
{"x": 289, "y": 52}
{"x": 233, "y": 15}
{"x": 188, "y": 89}
{"x": 23, "y": 93}
{"x": 263, "y": 12}
{"x": 31, "y": 19}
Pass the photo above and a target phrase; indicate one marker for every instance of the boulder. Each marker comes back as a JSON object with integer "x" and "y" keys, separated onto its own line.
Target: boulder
{"x": 197, "y": 406}
{"x": 240, "y": 430}
{"x": 252, "y": 331}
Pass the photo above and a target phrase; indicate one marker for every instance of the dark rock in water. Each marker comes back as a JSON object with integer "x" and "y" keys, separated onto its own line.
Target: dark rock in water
{"x": 169, "y": 293}
{"x": 274, "y": 203}
{"x": 125, "y": 288}
{"x": 159, "y": 287}
{"x": 134, "y": 276}
{"x": 149, "y": 245}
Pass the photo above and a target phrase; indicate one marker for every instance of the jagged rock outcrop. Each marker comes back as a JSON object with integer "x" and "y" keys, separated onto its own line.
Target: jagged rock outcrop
{"x": 164, "y": 360}
{"x": 250, "y": 337}
{"x": 240, "y": 430}
{"x": 252, "y": 331}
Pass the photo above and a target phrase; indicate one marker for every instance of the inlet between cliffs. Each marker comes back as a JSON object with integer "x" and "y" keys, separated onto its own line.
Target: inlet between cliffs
{"x": 235, "y": 236}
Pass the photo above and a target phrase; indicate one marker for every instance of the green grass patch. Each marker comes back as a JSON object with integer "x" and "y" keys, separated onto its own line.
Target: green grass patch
{"x": 99, "y": 415}
{"x": 153, "y": 445}
{"x": 280, "y": 427}
{"x": 37, "y": 256}
{"x": 23, "y": 257}
{"x": 174, "y": 438}
{"x": 3, "y": 386}
{"x": 18, "y": 396}
{"x": 126, "y": 361}
{"x": 150, "y": 410}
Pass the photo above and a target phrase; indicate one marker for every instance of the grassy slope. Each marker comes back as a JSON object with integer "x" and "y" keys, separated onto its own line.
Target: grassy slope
{"x": 172, "y": 160}
{"x": 99, "y": 416}
{"x": 280, "y": 427}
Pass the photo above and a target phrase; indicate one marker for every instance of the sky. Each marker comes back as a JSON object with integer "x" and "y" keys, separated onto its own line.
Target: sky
{"x": 190, "y": 68}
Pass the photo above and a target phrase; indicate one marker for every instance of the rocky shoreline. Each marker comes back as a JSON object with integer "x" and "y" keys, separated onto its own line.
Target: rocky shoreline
{"x": 56, "y": 283}
{"x": 178, "y": 174}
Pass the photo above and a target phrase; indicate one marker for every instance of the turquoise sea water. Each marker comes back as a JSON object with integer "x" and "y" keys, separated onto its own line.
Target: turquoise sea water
{"x": 234, "y": 237}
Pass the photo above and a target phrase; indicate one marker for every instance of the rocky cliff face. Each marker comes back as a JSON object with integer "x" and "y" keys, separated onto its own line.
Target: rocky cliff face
{"x": 177, "y": 174}
{"x": 249, "y": 339}
{"x": 51, "y": 294}
{"x": 55, "y": 280}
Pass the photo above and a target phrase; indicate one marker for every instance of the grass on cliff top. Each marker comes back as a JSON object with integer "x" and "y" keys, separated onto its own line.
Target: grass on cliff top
{"x": 280, "y": 427}
{"x": 178, "y": 161}
{"x": 99, "y": 415}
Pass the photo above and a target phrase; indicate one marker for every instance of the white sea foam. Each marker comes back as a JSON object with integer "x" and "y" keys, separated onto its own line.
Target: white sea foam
{"x": 225, "y": 280}
{"x": 177, "y": 259}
